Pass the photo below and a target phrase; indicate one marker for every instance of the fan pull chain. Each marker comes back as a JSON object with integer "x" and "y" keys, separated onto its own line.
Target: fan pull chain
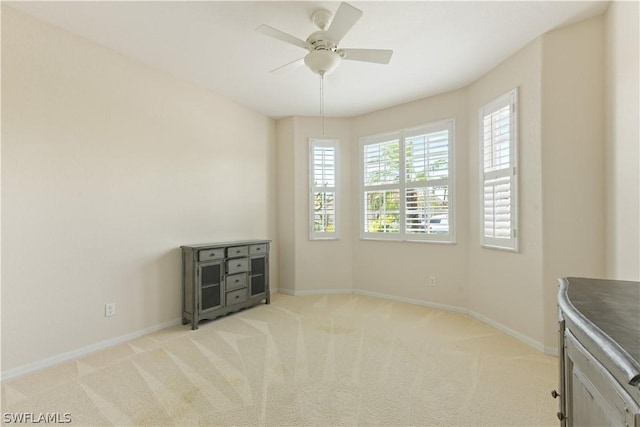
{"x": 322, "y": 101}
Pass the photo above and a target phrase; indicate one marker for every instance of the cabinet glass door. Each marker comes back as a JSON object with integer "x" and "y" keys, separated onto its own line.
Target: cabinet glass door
{"x": 258, "y": 275}
{"x": 210, "y": 286}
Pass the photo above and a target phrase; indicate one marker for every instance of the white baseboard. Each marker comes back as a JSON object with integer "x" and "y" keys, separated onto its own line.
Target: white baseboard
{"x": 45, "y": 363}
{"x": 315, "y": 292}
{"x": 551, "y": 351}
{"x": 515, "y": 334}
{"x": 411, "y": 301}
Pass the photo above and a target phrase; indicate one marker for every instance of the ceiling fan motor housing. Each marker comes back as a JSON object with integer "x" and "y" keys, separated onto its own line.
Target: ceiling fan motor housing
{"x": 320, "y": 41}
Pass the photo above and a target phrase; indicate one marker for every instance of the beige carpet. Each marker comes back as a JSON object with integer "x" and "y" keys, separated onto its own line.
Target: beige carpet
{"x": 304, "y": 361}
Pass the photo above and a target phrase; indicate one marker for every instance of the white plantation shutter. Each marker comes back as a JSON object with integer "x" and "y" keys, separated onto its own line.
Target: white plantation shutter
{"x": 324, "y": 166}
{"x": 498, "y": 136}
{"x": 381, "y": 161}
{"x": 427, "y": 155}
{"x": 406, "y": 189}
{"x": 323, "y": 195}
{"x": 426, "y": 162}
{"x": 381, "y": 183}
{"x": 497, "y": 208}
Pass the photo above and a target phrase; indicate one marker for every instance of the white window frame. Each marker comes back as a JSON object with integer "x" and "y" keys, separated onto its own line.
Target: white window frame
{"x": 402, "y": 185}
{"x": 321, "y": 188}
{"x": 509, "y": 171}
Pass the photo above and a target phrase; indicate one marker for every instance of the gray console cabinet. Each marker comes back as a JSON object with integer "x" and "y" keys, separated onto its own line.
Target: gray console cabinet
{"x": 599, "y": 352}
{"x": 220, "y": 278}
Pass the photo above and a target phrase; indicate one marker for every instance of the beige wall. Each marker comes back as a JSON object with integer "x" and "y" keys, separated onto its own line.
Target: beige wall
{"x": 286, "y": 214}
{"x": 505, "y": 286}
{"x": 622, "y": 141}
{"x": 398, "y": 270}
{"x": 312, "y": 266}
{"x": 401, "y": 269}
{"x": 573, "y": 205}
{"x": 107, "y": 168}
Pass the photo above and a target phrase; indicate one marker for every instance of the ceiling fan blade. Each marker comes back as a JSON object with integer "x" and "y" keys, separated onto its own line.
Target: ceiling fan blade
{"x": 379, "y": 56}
{"x": 288, "y": 66}
{"x": 345, "y": 17}
{"x": 277, "y": 34}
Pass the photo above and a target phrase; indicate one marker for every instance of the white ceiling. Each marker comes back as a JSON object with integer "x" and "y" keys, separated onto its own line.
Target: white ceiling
{"x": 438, "y": 46}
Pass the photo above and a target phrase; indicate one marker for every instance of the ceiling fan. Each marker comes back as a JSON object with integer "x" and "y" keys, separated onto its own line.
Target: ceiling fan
{"x": 324, "y": 54}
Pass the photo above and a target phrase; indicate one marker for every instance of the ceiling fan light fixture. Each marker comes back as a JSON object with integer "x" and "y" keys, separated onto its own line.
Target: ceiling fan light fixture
{"x": 322, "y": 62}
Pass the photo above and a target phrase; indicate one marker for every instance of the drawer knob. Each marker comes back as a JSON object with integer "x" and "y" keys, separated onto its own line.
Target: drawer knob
{"x": 238, "y": 265}
{"x": 560, "y": 416}
{"x": 555, "y": 394}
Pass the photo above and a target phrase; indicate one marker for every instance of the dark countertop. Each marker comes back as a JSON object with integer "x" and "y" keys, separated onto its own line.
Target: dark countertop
{"x": 230, "y": 243}
{"x": 607, "y": 312}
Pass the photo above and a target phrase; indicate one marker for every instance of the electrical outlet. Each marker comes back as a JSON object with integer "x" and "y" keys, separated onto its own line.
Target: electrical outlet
{"x": 109, "y": 309}
{"x": 432, "y": 280}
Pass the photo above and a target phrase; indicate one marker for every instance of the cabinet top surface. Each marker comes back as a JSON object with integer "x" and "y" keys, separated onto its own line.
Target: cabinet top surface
{"x": 612, "y": 306}
{"x": 224, "y": 244}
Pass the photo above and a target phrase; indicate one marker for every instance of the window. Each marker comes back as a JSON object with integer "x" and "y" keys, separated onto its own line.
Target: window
{"x": 406, "y": 184}
{"x": 323, "y": 194}
{"x": 498, "y": 168}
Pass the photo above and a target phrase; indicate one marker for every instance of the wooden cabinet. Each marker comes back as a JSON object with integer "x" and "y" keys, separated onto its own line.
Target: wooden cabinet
{"x": 599, "y": 352}
{"x": 220, "y": 278}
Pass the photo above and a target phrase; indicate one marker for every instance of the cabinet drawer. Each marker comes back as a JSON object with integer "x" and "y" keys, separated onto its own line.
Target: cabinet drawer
{"x": 237, "y": 251}
{"x": 208, "y": 254}
{"x": 237, "y": 296}
{"x": 236, "y": 281}
{"x": 237, "y": 265}
{"x": 260, "y": 249}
